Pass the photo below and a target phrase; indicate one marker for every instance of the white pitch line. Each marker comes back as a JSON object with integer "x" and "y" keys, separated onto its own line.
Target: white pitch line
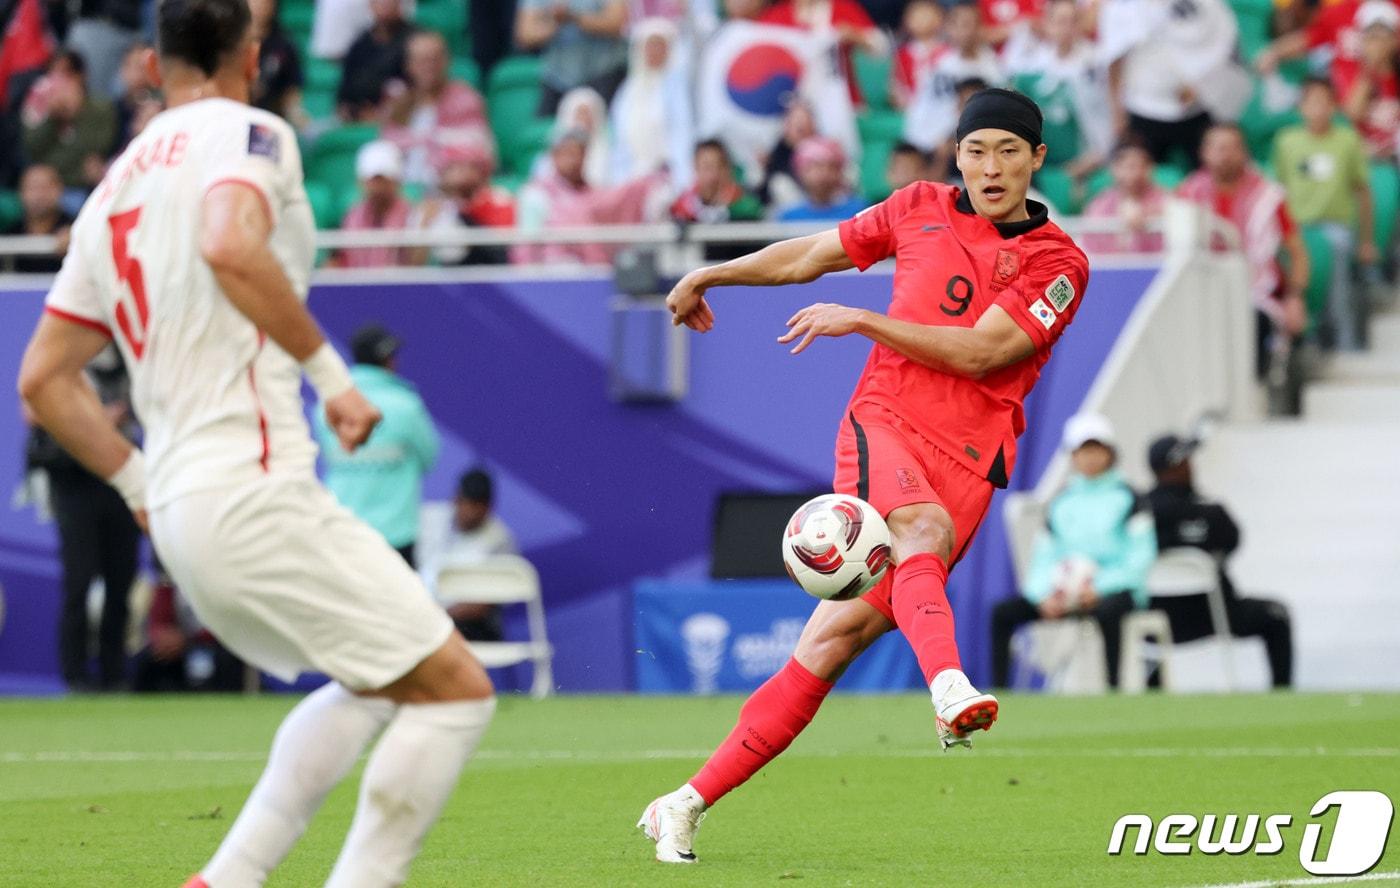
{"x": 602, "y": 756}
{"x": 1310, "y": 880}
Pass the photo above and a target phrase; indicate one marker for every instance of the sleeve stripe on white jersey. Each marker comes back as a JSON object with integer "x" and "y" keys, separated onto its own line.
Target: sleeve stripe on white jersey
{"x": 90, "y": 323}
{"x": 239, "y": 180}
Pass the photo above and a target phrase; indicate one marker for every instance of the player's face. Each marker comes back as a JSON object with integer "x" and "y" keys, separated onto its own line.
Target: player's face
{"x": 996, "y": 166}
{"x": 1092, "y": 459}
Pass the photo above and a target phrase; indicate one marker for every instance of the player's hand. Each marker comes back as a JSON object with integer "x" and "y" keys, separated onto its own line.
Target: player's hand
{"x": 688, "y": 306}
{"x": 822, "y": 319}
{"x": 352, "y": 417}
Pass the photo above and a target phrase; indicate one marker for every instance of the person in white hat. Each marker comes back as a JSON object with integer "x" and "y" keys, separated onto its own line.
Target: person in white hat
{"x": 1093, "y": 559}
{"x": 1368, "y": 85}
{"x": 379, "y": 167}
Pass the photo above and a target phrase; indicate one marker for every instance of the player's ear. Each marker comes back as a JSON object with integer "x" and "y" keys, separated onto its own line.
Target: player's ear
{"x": 151, "y": 63}
{"x": 1038, "y": 157}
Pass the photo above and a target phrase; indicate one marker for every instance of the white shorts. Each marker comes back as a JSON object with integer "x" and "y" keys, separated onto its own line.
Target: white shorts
{"x": 291, "y": 582}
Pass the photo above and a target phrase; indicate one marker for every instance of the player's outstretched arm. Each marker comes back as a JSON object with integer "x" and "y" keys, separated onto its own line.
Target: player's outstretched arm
{"x": 794, "y": 261}
{"x": 234, "y": 231}
{"x": 58, "y": 396}
{"x": 995, "y": 341}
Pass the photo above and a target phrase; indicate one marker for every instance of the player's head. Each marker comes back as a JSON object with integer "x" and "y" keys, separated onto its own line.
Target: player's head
{"x": 1170, "y": 459}
{"x": 999, "y": 148}
{"x": 1224, "y": 153}
{"x": 475, "y": 494}
{"x": 206, "y": 40}
{"x": 1318, "y": 103}
{"x": 1092, "y": 445}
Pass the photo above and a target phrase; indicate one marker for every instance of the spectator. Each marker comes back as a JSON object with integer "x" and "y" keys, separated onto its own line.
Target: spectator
{"x": 139, "y": 100}
{"x": 907, "y": 165}
{"x": 583, "y": 110}
{"x": 715, "y": 196}
{"x": 932, "y": 113}
{"x": 180, "y": 654}
{"x": 1094, "y": 558}
{"x": 1160, "y": 55}
{"x": 1331, "y": 33}
{"x": 336, "y": 24}
{"x": 743, "y": 10}
{"x": 382, "y": 481}
{"x": 1134, "y": 200}
{"x": 97, "y": 537}
{"x": 1184, "y": 518}
{"x": 582, "y": 44}
{"x": 280, "y": 79}
{"x": 466, "y": 199}
{"x": 379, "y": 167}
{"x": 821, "y": 171}
{"x": 1060, "y": 72}
{"x": 430, "y": 112}
{"x": 845, "y": 20}
{"x": 41, "y": 198}
{"x": 1233, "y": 188}
{"x": 1004, "y": 21}
{"x": 652, "y": 121}
{"x": 1322, "y": 167}
{"x": 68, "y": 129}
{"x": 101, "y": 33}
{"x": 1367, "y": 85}
{"x": 778, "y": 186}
{"x": 694, "y": 21}
{"x": 373, "y": 60}
{"x": 914, "y": 60}
{"x": 477, "y": 533}
{"x": 26, "y": 48}
{"x": 559, "y": 195}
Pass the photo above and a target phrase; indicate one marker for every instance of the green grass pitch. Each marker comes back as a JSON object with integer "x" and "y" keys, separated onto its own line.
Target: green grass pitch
{"x": 138, "y": 791}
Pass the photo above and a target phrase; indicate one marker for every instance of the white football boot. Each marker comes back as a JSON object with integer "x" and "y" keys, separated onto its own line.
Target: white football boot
{"x": 961, "y": 710}
{"x": 671, "y": 822}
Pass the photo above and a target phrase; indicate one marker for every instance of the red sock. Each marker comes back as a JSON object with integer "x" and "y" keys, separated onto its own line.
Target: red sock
{"x": 769, "y": 720}
{"x": 922, "y": 613}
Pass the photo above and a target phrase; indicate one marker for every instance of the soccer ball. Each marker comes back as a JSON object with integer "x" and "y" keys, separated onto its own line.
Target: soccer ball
{"x": 836, "y": 547}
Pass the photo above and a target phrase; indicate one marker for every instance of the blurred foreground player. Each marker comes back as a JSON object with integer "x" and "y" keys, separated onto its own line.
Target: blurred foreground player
{"x": 193, "y": 255}
{"x": 984, "y": 285}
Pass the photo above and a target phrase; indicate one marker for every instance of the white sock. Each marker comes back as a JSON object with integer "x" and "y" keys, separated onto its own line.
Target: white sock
{"x": 317, "y": 744}
{"x": 410, "y": 776}
{"x": 688, "y": 796}
{"x": 943, "y": 681}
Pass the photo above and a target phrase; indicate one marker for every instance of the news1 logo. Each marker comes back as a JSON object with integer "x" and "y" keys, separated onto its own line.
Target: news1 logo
{"x": 1358, "y": 838}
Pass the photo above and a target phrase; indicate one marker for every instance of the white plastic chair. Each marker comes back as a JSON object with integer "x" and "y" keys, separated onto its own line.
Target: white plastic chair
{"x": 1190, "y": 571}
{"x": 504, "y": 579}
{"x": 1137, "y": 628}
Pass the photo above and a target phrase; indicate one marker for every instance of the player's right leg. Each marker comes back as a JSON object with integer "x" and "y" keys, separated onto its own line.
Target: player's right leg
{"x": 835, "y": 634}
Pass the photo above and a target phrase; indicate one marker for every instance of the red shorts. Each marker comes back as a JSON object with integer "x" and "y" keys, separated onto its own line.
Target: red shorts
{"x": 882, "y": 460}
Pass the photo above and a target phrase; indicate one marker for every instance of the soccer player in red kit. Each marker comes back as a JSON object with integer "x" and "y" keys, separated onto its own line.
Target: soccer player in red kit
{"x": 984, "y": 284}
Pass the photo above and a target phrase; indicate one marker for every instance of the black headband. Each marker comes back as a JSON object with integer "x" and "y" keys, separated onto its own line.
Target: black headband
{"x": 1002, "y": 109}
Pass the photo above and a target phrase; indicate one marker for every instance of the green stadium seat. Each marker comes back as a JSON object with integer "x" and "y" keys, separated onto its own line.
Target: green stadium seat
{"x": 1255, "y": 18}
{"x": 515, "y": 71}
{"x": 318, "y": 103}
{"x": 446, "y": 17}
{"x": 1058, "y": 188}
{"x": 1169, "y": 175}
{"x": 1385, "y": 194}
{"x": 1319, "y": 272}
{"x": 296, "y": 18}
{"x": 519, "y": 133}
{"x": 332, "y": 157}
{"x": 511, "y": 182}
{"x": 11, "y": 211}
{"x": 880, "y": 126}
{"x": 325, "y": 205}
{"x": 322, "y": 75}
{"x": 874, "y": 158}
{"x": 1098, "y": 183}
{"x": 1260, "y": 124}
{"x": 463, "y": 68}
{"x": 873, "y": 76}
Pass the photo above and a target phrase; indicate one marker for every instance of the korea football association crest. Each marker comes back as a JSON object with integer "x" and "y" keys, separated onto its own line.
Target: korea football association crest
{"x": 1060, "y": 293}
{"x": 1007, "y": 267}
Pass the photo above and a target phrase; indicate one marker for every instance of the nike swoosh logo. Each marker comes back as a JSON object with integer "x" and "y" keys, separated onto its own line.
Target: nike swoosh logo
{"x": 746, "y": 745}
{"x": 933, "y": 228}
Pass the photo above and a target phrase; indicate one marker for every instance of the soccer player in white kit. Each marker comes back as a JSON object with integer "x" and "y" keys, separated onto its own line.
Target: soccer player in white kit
{"x": 194, "y": 255}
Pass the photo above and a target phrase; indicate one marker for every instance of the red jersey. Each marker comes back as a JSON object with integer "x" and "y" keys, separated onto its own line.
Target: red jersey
{"x": 1381, "y": 125}
{"x": 951, "y": 265}
{"x": 1335, "y": 26}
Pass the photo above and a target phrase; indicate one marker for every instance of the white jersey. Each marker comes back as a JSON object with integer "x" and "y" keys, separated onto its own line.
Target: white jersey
{"x": 220, "y": 404}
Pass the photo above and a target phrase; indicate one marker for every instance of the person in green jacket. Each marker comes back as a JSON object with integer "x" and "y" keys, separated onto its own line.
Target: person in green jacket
{"x": 382, "y": 481}
{"x": 1094, "y": 558}
{"x": 68, "y": 128}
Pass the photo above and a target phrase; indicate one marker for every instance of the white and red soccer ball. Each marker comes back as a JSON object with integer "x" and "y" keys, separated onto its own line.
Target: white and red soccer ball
{"x": 836, "y": 547}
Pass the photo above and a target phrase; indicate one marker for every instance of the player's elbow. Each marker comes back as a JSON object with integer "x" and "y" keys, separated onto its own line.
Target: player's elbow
{"x": 32, "y": 383}
{"x": 221, "y": 253}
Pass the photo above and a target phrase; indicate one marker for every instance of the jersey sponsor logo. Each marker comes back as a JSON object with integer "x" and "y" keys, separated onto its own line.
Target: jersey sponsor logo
{"x": 1041, "y": 312}
{"x": 1060, "y": 293}
{"x": 1008, "y": 266}
{"x": 263, "y": 141}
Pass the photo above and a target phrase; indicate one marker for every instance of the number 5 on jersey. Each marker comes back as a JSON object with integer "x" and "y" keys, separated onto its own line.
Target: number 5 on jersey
{"x": 129, "y": 273}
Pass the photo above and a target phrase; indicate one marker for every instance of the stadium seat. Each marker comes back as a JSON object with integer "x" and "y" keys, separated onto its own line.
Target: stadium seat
{"x": 873, "y": 76}
{"x": 1169, "y": 175}
{"x": 464, "y": 68}
{"x": 1260, "y": 124}
{"x": 880, "y": 126}
{"x": 874, "y": 158}
{"x": 504, "y": 579}
{"x": 1385, "y": 192}
{"x": 1058, "y": 188}
{"x": 332, "y": 157}
{"x": 318, "y": 104}
{"x": 1255, "y": 18}
{"x": 1098, "y": 183}
{"x": 10, "y": 209}
{"x": 1191, "y": 571}
{"x": 446, "y": 17}
{"x": 515, "y": 71}
{"x": 325, "y": 203}
{"x": 296, "y": 18}
{"x": 322, "y": 75}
